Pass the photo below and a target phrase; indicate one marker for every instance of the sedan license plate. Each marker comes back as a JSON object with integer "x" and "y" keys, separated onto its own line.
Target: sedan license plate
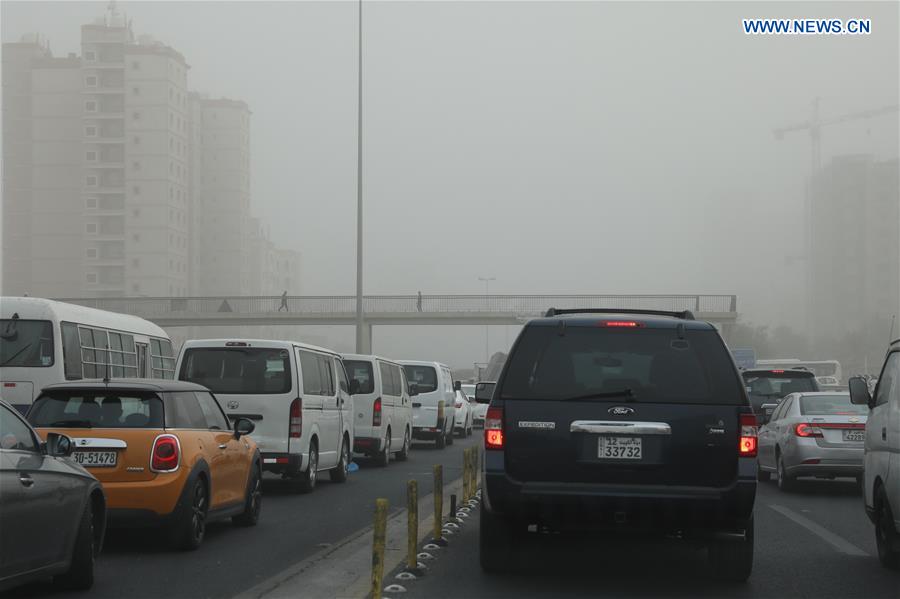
{"x": 96, "y": 459}
{"x": 855, "y": 435}
{"x": 620, "y": 448}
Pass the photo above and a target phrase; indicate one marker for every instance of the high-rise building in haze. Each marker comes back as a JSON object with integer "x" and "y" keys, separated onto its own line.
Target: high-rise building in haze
{"x": 118, "y": 181}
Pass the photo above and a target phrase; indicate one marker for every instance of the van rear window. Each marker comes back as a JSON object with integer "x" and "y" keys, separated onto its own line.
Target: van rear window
{"x": 424, "y": 377}
{"x": 653, "y": 365}
{"x": 238, "y": 370}
{"x": 361, "y": 372}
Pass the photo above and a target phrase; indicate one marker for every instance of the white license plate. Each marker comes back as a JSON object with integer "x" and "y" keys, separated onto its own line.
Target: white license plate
{"x": 96, "y": 459}
{"x": 855, "y": 435}
{"x": 620, "y": 448}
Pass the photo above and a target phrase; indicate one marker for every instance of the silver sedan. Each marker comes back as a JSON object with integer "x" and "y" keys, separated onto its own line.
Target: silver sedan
{"x": 813, "y": 434}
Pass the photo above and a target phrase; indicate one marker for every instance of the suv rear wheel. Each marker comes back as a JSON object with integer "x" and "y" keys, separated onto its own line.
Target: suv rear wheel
{"x": 886, "y": 538}
{"x": 732, "y": 561}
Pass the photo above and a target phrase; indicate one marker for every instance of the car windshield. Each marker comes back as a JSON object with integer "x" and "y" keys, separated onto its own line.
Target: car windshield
{"x": 27, "y": 343}
{"x": 646, "y": 365}
{"x": 768, "y": 385}
{"x": 238, "y": 370}
{"x": 361, "y": 371}
{"x": 92, "y": 409}
{"x": 425, "y": 377}
{"x": 831, "y": 405}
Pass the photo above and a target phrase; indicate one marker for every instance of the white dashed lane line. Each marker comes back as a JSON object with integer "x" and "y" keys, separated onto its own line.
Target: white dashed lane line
{"x": 839, "y": 543}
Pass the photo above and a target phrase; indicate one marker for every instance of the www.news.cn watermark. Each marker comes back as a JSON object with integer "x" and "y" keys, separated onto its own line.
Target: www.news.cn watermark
{"x": 807, "y": 26}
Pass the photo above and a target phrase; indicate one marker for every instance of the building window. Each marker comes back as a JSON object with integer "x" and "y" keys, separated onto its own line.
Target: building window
{"x": 135, "y": 237}
{"x": 90, "y": 81}
{"x": 91, "y": 180}
{"x": 90, "y": 228}
{"x": 90, "y": 56}
{"x": 137, "y": 140}
{"x": 90, "y": 131}
{"x": 91, "y": 203}
{"x": 136, "y": 190}
{"x": 136, "y": 212}
{"x": 136, "y": 287}
{"x": 91, "y": 253}
{"x": 90, "y": 156}
{"x": 171, "y": 192}
{"x": 135, "y": 91}
{"x": 136, "y": 262}
{"x": 90, "y": 277}
{"x": 136, "y": 65}
{"x": 90, "y": 106}
{"x": 136, "y": 116}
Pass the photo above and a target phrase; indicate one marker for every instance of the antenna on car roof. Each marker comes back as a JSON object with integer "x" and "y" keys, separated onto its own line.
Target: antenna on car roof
{"x": 106, "y": 377}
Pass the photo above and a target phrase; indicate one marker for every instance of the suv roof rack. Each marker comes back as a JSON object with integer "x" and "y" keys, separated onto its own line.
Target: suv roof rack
{"x": 684, "y": 315}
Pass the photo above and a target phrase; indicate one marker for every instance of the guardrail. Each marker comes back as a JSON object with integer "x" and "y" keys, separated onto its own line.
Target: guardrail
{"x": 346, "y": 304}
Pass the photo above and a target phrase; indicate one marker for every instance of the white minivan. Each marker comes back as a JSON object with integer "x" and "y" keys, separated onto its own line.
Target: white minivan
{"x": 433, "y": 407}
{"x": 382, "y": 422}
{"x": 298, "y": 395}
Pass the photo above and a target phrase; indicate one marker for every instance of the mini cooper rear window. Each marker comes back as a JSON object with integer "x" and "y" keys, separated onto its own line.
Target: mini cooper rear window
{"x": 92, "y": 409}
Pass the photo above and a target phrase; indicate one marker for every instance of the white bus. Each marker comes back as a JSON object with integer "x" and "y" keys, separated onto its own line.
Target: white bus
{"x": 831, "y": 368}
{"x": 43, "y": 341}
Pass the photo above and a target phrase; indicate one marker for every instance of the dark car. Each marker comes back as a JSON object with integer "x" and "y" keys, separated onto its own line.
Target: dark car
{"x": 53, "y": 512}
{"x": 765, "y": 386}
{"x": 620, "y": 421}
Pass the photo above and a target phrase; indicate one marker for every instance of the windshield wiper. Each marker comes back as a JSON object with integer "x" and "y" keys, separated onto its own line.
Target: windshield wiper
{"x": 71, "y": 424}
{"x": 17, "y": 354}
{"x": 626, "y": 393}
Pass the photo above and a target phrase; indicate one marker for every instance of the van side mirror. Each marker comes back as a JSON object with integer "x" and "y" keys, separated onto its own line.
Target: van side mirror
{"x": 484, "y": 392}
{"x": 354, "y": 387}
{"x": 457, "y": 385}
{"x": 243, "y": 426}
{"x": 413, "y": 389}
{"x": 59, "y": 445}
{"x": 859, "y": 392}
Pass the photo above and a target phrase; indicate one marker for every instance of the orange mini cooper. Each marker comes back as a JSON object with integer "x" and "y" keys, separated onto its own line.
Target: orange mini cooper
{"x": 163, "y": 450}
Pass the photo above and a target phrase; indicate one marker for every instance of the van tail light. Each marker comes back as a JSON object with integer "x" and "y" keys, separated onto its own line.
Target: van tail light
{"x": 166, "y": 454}
{"x": 493, "y": 428}
{"x": 296, "y": 419}
{"x": 376, "y": 412}
{"x": 749, "y": 442}
{"x": 807, "y": 430}
{"x": 458, "y": 404}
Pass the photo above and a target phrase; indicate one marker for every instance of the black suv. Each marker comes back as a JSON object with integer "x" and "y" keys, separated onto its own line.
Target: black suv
{"x": 770, "y": 386}
{"x": 630, "y": 421}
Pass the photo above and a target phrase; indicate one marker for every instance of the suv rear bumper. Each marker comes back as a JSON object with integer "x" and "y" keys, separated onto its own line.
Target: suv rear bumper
{"x": 589, "y": 506}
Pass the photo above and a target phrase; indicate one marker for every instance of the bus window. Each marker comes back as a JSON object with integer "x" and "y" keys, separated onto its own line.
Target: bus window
{"x": 71, "y": 351}
{"x": 26, "y": 343}
{"x": 162, "y": 359}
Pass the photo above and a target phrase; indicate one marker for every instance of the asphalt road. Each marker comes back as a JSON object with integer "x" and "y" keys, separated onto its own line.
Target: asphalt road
{"x": 816, "y": 542}
{"x": 136, "y": 563}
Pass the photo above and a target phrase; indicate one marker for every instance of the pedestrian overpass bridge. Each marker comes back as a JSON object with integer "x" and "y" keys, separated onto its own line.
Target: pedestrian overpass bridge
{"x": 381, "y": 310}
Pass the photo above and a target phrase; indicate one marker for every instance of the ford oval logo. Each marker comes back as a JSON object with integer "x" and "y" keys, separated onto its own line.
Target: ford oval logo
{"x": 233, "y": 405}
{"x": 621, "y": 411}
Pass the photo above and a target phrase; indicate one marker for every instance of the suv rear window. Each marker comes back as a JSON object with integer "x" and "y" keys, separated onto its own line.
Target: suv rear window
{"x": 771, "y": 384}
{"x": 655, "y": 364}
{"x": 425, "y": 378}
{"x": 238, "y": 371}
{"x": 361, "y": 372}
{"x": 91, "y": 409}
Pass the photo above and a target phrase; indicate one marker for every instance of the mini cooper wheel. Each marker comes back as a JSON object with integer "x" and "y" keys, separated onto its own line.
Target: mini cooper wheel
{"x": 191, "y": 530}
{"x": 253, "y": 501}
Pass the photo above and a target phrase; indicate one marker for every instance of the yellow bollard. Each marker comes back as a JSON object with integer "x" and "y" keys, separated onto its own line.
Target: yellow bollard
{"x": 378, "y": 542}
{"x": 412, "y": 521}
{"x": 438, "y": 503}
{"x": 467, "y": 474}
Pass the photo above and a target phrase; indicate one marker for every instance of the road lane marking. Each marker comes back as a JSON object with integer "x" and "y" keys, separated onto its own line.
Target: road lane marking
{"x": 839, "y": 543}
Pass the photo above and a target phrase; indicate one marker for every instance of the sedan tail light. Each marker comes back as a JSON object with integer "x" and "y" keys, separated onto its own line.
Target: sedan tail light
{"x": 749, "y": 436}
{"x": 295, "y": 427}
{"x": 166, "y": 454}
{"x": 493, "y": 428}
{"x": 807, "y": 430}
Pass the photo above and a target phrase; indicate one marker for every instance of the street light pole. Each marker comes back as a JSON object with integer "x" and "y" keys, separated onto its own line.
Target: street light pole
{"x": 360, "y": 324}
{"x": 487, "y": 339}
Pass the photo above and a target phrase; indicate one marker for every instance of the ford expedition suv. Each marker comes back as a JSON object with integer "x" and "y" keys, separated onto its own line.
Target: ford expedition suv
{"x": 620, "y": 421}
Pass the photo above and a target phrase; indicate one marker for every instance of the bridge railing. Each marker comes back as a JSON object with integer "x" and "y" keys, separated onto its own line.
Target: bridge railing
{"x": 346, "y": 304}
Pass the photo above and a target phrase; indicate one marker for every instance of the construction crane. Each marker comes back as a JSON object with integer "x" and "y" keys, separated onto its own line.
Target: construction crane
{"x": 815, "y": 123}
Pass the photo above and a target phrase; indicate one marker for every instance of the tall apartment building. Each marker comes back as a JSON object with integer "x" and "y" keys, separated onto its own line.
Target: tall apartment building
{"x": 43, "y": 248}
{"x": 855, "y": 247}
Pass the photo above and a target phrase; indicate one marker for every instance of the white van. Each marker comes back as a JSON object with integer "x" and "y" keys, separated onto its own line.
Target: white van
{"x": 382, "y": 408}
{"x": 298, "y": 395}
{"x": 433, "y": 406}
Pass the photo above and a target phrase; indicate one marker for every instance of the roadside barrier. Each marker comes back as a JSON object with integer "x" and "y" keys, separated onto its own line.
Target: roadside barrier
{"x": 438, "y": 506}
{"x": 378, "y": 542}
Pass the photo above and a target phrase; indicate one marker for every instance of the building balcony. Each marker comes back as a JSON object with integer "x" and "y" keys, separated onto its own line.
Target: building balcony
{"x": 103, "y": 116}
{"x": 104, "y": 140}
{"x": 101, "y": 164}
{"x": 107, "y": 91}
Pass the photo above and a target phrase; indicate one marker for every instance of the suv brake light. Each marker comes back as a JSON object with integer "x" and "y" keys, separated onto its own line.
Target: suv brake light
{"x": 621, "y": 324}
{"x": 166, "y": 454}
{"x": 296, "y": 419}
{"x": 376, "y": 412}
{"x": 749, "y": 436}
{"x": 493, "y": 428}
{"x": 807, "y": 430}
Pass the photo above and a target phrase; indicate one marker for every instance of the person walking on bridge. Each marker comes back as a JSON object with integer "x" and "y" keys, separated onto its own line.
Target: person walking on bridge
{"x": 284, "y": 302}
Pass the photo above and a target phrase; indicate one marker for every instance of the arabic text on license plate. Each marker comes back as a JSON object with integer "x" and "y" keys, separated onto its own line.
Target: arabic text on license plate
{"x": 96, "y": 459}
{"x": 854, "y": 435}
{"x": 620, "y": 448}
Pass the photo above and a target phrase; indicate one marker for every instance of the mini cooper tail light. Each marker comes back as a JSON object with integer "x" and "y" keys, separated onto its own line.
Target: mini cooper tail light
{"x": 296, "y": 419}
{"x": 166, "y": 454}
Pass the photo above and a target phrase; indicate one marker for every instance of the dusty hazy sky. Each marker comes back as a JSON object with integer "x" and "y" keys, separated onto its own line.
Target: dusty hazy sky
{"x": 591, "y": 147}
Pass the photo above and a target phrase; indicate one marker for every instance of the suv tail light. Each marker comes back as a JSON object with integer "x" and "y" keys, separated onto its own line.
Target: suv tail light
{"x": 493, "y": 428}
{"x": 749, "y": 436}
{"x": 296, "y": 419}
{"x": 166, "y": 454}
{"x": 807, "y": 430}
{"x": 376, "y": 412}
